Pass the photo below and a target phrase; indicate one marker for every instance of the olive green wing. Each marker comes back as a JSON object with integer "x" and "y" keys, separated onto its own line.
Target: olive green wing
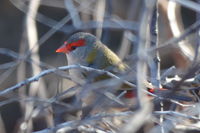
{"x": 110, "y": 59}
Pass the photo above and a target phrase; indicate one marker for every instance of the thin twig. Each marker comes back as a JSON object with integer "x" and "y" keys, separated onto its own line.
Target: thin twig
{"x": 45, "y": 72}
{"x": 67, "y": 126}
{"x": 189, "y": 4}
{"x": 194, "y": 27}
{"x": 145, "y": 106}
{"x": 100, "y": 6}
{"x": 69, "y": 4}
{"x": 155, "y": 62}
{"x": 176, "y": 114}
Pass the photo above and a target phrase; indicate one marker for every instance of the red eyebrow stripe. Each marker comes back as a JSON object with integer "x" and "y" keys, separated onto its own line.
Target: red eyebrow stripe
{"x": 66, "y": 48}
{"x": 80, "y": 42}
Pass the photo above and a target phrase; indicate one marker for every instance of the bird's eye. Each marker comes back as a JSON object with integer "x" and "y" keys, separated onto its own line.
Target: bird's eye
{"x": 73, "y": 47}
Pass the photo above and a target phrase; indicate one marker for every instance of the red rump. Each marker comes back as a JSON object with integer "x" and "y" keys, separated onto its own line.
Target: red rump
{"x": 152, "y": 90}
{"x": 66, "y": 48}
{"x": 129, "y": 94}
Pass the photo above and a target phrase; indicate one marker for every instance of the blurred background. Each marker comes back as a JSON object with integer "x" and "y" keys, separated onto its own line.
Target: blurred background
{"x": 116, "y": 23}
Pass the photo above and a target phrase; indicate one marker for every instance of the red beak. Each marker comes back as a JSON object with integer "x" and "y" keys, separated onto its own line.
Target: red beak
{"x": 62, "y": 49}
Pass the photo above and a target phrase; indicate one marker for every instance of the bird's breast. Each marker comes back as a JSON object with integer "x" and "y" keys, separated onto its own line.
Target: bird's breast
{"x": 76, "y": 74}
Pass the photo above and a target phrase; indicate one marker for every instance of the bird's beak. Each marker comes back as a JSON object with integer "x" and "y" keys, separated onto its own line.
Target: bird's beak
{"x": 62, "y": 49}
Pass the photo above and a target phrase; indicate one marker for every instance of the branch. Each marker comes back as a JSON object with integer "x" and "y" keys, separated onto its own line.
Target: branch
{"x": 189, "y": 4}
{"x": 8, "y": 65}
{"x": 176, "y": 114}
{"x": 194, "y": 27}
{"x": 89, "y": 69}
{"x": 120, "y": 24}
{"x": 99, "y": 15}
{"x": 145, "y": 106}
{"x": 69, "y": 5}
{"x": 45, "y": 72}
{"x": 70, "y": 125}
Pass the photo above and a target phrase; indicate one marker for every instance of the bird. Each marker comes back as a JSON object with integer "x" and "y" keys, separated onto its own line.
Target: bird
{"x": 85, "y": 49}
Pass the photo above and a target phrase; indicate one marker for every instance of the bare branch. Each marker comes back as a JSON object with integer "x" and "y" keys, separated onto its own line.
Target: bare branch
{"x": 189, "y": 4}
{"x": 45, "y": 72}
{"x": 177, "y": 114}
{"x": 67, "y": 126}
{"x": 143, "y": 113}
{"x": 194, "y": 27}
{"x": 73, "y": 13}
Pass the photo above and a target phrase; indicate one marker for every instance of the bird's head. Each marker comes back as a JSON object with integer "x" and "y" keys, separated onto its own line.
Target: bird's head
{"x": 79, "y": 44}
